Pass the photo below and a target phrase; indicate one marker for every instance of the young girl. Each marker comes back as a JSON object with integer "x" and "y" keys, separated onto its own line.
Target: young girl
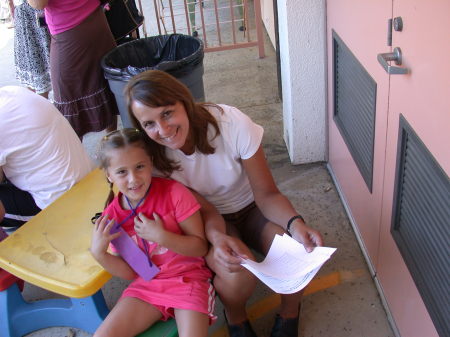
{"x": 163, "y": 218}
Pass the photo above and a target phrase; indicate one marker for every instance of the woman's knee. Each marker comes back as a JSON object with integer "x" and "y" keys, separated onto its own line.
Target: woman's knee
{"x": 239, "y": 284}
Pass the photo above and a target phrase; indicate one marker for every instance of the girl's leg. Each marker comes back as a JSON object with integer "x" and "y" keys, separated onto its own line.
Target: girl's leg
{"x": 191, "y": 323}
{"x": 129, "y": 317}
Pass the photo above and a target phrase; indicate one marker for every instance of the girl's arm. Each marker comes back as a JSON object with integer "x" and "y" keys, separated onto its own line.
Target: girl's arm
{"x": 192, "y": 243}
{"x": 38, "y": 4}
{"x": 101, "y": 238}
{"x": 273, "y": 204}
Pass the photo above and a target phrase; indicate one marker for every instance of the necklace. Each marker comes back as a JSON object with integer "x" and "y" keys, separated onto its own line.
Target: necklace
{"x": 133, "y": 213}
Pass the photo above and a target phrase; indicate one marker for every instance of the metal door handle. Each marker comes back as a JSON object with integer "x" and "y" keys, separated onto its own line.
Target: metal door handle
{"x": 396, "y": 56}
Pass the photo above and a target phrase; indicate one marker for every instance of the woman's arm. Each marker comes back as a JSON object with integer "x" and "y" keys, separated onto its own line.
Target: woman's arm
{"x": 38, "y": 4}
{"x": 273, "y": 204}
{"x": 192, "y": 243}
{"x": 228, "y": 250}
{"x": 101, "y": 238}
{"x": 215, "y": 226}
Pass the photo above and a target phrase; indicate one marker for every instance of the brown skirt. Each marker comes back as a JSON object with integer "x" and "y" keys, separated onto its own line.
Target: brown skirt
{"x": 80, "y": 90}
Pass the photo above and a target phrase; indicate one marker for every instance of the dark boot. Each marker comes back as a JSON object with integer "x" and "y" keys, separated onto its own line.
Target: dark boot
{"x": 243, "y": 329}
{"x": 285, "y": 327}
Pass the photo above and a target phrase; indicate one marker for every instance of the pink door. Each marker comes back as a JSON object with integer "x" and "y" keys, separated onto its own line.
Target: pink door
{"x": 422, "y": 97}
{"x": 364, "y": 131}
{"x": 365, "y": 36}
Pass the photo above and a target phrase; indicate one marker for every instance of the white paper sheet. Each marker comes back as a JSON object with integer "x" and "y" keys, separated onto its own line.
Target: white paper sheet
{"x": 288, "y": 268}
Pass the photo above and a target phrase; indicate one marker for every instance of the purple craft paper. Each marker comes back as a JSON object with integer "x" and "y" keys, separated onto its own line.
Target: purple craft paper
{"x": 135, "y": 257}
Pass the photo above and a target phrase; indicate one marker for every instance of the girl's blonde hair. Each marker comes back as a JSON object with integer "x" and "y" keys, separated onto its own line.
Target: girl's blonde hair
{"x": 117, "y": 140}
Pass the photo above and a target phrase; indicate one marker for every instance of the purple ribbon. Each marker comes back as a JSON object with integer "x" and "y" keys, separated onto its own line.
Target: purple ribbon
{"x": 135, "y": 257}
{"x": 130, "y": 251}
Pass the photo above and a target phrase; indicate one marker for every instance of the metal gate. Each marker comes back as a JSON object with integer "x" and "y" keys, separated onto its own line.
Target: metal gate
{"x": 220, "y": 24}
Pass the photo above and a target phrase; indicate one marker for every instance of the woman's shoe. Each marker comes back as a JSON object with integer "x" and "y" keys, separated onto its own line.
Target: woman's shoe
{"x": 243, "y": 329}
{"x": 285, "y": 327}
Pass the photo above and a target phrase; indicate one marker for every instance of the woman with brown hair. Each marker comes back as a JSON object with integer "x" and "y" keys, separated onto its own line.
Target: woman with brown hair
{"x": 216, "y": 150}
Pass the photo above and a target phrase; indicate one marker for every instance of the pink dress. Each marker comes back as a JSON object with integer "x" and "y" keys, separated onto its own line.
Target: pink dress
{"x": 183, "y": 282}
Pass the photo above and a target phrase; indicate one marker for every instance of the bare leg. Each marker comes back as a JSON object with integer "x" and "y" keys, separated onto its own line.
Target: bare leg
{"x": 11, "y": 13}
{"x": 234, "y": 289}
{"x": 2, "y": 211}
{"x": 44, "y": 94}
{"x": 129, "y": 317}
{"x": 191, "y": 323}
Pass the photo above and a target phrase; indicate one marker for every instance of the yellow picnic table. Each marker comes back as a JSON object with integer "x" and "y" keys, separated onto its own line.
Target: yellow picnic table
{"x": 52, "y": 251}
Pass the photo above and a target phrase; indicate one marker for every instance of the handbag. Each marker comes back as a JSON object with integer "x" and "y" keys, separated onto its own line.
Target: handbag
{"x": 123, "y": 17}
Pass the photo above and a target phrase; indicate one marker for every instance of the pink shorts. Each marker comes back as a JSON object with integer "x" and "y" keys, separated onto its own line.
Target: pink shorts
{"x": 179, "y": 293}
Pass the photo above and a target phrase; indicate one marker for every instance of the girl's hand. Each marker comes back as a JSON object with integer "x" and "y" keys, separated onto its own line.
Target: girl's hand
{"x": 101, "y": 236}
{"x": 150, "y": 230}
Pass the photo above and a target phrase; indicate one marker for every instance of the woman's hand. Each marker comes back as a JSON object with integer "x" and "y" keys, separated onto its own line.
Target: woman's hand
{"x": 309, "y": 237}
{"x": 150, "y": 230}
{"x": 229, "y": 252}
{"x": 101, "y": 237}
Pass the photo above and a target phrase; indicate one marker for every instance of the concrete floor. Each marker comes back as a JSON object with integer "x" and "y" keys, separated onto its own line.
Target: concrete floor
{"x": 342, "y": 300}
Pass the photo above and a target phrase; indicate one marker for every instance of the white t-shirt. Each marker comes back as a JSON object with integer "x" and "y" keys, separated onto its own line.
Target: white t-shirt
{"x": 220, "y": 177}
{"x": 39, "y": 151}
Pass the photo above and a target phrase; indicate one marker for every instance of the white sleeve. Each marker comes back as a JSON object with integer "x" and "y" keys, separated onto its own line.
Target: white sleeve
{"x": 242, "y": 134}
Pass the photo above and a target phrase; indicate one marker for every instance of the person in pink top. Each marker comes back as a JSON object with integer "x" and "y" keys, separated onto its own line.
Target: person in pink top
{"x": 162, "y": 218}
{"x": 80, "y": 37}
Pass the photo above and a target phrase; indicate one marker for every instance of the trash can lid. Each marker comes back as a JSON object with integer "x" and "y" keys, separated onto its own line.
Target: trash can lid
{"x": 176, "y": 54}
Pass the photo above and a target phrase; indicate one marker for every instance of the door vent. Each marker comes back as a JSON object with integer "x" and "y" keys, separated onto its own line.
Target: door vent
{"x": 355, "y": 94}
{"x": 421, "y": 223}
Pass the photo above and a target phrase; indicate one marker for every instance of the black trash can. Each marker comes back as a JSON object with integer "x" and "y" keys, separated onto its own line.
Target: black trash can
{"x": 177, "y": 54}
